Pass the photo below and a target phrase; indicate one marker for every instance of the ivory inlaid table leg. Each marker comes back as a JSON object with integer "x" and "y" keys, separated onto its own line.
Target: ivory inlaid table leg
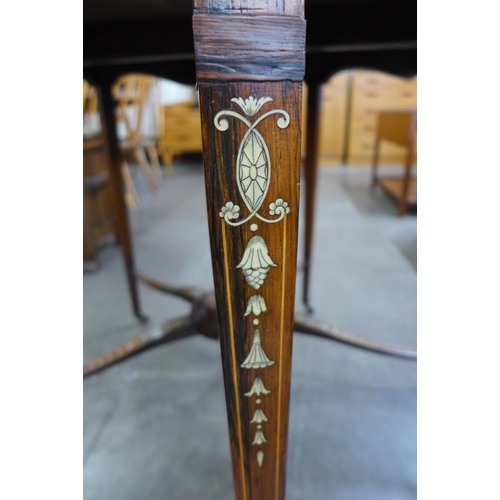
{"x": 250, "y": 65}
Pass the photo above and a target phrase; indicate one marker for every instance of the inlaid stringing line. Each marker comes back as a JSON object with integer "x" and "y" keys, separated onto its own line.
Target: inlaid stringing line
{"x": 234, "y": 365}
{"x": 283, "y": 268}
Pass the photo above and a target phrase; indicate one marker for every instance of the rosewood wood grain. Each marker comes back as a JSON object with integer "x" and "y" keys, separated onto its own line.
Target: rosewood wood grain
{"x": 228, "y": 244}
{"x": 261, "y": 48}
{"x": 250, "y": 70}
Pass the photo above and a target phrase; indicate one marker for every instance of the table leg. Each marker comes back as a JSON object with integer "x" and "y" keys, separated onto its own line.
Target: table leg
{"x": 250, "y": 71}
{"x": 311, "y": 174}
{"x": 403, "y": 201}
{"x": 107, "y": 111}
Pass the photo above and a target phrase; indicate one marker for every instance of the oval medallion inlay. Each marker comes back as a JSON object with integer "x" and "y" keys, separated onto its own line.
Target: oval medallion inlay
{"x": 253, "y": 169}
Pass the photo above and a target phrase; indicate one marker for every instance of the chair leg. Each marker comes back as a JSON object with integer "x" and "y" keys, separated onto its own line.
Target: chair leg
{"x": 375, "y": 162}
{"x": 251, "y": 131}
{"x": 403, "y": 202}
{"x": 168, "y": 160}
{"x": 153, "y": 158}
{"x": 131, "y": 195}
{"x": 140, "y": 157}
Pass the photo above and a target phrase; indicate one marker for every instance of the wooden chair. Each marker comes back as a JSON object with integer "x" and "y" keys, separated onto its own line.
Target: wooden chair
{"x": 130, "y": 93}
{"x": 152, "y": 127}
{"x": 398, "y": 127}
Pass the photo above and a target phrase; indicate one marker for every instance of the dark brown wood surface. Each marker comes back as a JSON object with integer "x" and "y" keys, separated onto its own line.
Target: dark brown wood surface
{"x": 233, "y": 293}
{"x": 251, "y": 151}
{"x": 107, "y": 113}
{"x": 311, "y": 174}
{"x": 261, "y": 48}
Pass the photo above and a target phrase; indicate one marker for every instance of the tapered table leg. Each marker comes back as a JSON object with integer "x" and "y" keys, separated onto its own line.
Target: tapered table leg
{"x": 311, "y": 171}
{"x": 107, "y": 110}
{"x": 250, "y": 69}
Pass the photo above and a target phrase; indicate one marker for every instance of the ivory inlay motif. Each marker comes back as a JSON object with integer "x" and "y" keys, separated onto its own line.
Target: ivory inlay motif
{"x": 257, "y": 388}
{"x": 253, "y": 163}
{"x": 256, "y": 262}
{"x": 260, "y": 457}
{"x": 258, "y": 417}
{"x": 257, "y": 357}
{"x": 253, "y": 178}
{"x": 259, "y": 438}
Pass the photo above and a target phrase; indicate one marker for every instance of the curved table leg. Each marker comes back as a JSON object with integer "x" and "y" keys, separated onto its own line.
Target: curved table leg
{"x": 203, "y": 320}
{"x": 306, "y": 324}
{"x": 191, "y": 294}
{"x": 171, "y": 330}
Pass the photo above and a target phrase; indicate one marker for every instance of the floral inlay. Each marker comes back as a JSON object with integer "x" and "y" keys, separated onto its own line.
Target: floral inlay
{"x": 259, "y": 438}
{"x": 251, "y": 105}
{"x": 279, "y": 207}
{"x": 257, "y": 388}
{"x": 256, "y": 262}
{"x": 231, "y": 211}
{"x": 253, "y": 162}
{"x": 258, "y": 417}
{"x": 257, "y": 357}
{"x": 256, "y": 305}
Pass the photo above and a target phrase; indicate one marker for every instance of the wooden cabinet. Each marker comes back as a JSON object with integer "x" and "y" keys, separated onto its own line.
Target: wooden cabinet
{"x": 334, "y": 100}
{"x": 374, "y": 92}
{"x": 182, "y": 131}
{"x": 99, "y": 220}
{"x": 351, "y": 101}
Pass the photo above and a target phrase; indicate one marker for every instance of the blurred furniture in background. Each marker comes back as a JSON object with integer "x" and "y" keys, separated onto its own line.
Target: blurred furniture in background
{"x": 350, "y": 102}
{"x": 379, "y": 34}
{"x": 99, "y": 221}
{"x": 399, "y": 128}
{"x": 181, "y": 131}
{"x": 333, "y": 118}
{"x": 131, "y": 93}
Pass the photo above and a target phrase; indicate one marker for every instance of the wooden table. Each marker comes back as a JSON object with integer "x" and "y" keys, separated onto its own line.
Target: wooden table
{"x": 250, "y": 57}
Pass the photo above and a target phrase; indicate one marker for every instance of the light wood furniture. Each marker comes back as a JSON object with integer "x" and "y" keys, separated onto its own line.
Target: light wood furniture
{"x": 99, "y": 220}
{"x": 400, "y": 128}
{"x": 333, "y": 116}
{"x": 181, "y": 130}
{"x": 350, "y": 102}
{"x": 131, "y": 94}
{"x": 374, "y": 92}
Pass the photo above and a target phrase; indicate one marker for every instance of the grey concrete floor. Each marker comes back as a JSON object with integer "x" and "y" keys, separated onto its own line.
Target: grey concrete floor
{"x": 155, "y": 427}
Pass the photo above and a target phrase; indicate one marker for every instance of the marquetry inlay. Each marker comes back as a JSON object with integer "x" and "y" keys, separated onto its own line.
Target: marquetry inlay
{"x": 253, "y": 178}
